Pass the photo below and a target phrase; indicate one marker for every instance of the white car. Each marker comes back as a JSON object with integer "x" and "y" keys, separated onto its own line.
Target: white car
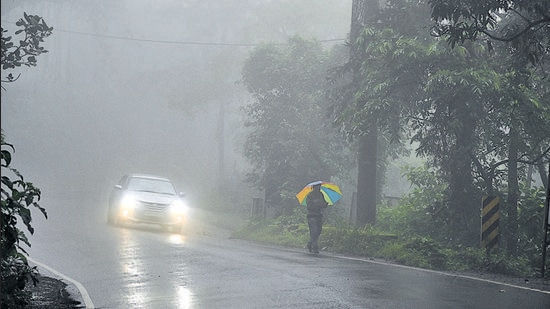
{"x": 149, "y": 199}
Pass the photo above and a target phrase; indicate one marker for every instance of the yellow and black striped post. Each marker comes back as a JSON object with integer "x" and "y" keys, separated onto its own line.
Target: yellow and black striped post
{"x": 489, "y": 222}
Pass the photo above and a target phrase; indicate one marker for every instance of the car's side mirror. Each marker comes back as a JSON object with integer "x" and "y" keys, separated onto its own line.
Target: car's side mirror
{"x": 118, "y": 187}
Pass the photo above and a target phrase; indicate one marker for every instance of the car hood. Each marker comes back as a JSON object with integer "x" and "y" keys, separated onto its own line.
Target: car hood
{"x": 151, "y": 197}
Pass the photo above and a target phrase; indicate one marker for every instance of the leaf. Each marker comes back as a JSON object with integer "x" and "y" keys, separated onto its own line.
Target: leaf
{"x": 6, "y": 156}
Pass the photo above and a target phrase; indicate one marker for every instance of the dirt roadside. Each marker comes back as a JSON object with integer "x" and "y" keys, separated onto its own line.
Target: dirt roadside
{"x": 52, "y": 293}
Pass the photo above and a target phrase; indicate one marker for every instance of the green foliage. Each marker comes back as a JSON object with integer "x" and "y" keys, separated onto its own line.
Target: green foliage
{"x": 402, "y": 248}
{"x": 355, "y": 241}
{"x": 423, "y": 213}
{"x": 34, "y": 31}
{"x": 462, "y": 258}
{"x": 530, "y": 220}
{"x": 467, "y": 108}
{"x": 290, "y": 141}
{"x": 475, "y": 112}
{"x": 380, "y": 98}
{"x": 524, "y": 24}
{"x": 15, "y": 274}
{"x": 416, "y": 232}
{"x": 391, "y": 66}
{"x": 17, "y": 198}
{"x": 417, "y": 251}
{"x": 503, "y": 264}
{"x": 289, "y": 229}
{"x": 424, "y": 210}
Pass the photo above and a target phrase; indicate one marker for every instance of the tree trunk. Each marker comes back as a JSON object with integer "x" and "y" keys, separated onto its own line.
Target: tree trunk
{"x": 464, "y": 199}
{"x": 366, "y": 178}
{"x": 513, "y": 189}
{"x": 542, "y": 173}
{"x": 363, "y": 12}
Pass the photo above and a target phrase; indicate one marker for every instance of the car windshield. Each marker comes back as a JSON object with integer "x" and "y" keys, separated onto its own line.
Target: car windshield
{"x": 151, "y": 185}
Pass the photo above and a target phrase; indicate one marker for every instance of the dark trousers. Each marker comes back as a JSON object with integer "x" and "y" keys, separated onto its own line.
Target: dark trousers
{"x": 315, "y": 224}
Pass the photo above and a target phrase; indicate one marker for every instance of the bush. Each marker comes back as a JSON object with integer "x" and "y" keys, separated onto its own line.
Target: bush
{"x": 17, "y": 198}
{"x": 356, "y": 241}
{"x": 466, "y": 258}
{"x": 417, "y": 251}
{"x": 504, "y": 264}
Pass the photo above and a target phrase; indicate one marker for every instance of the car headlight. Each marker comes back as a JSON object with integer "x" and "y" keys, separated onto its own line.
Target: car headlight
{"x": 128, "y": 201}
{"x": 178, "y": 207}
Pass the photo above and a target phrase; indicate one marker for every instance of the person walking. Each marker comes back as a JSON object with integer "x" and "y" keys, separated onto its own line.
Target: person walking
{"x": 315, "y": 202}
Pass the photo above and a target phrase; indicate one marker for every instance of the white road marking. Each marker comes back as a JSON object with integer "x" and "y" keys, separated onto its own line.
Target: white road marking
{"x": 442, "y": 273}
{"x": 85, "y": 297}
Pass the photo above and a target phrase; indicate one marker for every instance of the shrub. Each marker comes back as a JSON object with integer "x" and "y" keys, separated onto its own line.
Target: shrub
{"x": 466, "y": 258}
{"x": 417, "y": 251}
{"x": 356, "y": 241}
{"x": 503, "y": 264}
{"x": 17, "y": 198}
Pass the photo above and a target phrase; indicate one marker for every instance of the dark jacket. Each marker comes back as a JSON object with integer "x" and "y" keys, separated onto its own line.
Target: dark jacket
{"x": 315, "y": 204}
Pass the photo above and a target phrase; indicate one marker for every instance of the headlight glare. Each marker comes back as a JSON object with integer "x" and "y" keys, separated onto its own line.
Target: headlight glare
{"x": 128, "y": 201}
{"x": 178, "y": 206}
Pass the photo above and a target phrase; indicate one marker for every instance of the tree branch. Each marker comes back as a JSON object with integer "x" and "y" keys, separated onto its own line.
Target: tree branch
{"x": 517, "y": 35}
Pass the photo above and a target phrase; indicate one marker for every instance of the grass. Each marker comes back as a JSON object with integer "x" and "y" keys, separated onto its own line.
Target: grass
{"x": 415, "y": 251}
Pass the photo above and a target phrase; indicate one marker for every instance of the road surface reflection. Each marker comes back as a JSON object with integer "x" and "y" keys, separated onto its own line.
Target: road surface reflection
{"x": 132, "y": 269}
{"x": 143, "y": 286}
{"x": 176, "y": 239}
{"x": 184, "y": 297}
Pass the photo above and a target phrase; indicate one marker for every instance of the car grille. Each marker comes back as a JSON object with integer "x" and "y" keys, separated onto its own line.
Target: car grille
{"x": 154, "y": 209}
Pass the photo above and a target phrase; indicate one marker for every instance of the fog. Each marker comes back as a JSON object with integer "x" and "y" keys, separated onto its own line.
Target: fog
{"x": 140, "y": 86}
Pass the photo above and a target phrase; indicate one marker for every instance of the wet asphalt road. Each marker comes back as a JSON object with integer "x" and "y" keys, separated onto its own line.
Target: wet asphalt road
{"x": 145, "y": 267}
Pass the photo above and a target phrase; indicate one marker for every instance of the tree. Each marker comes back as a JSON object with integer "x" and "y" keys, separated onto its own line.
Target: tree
{"x": 369, "y": 107}
{"x": 406, "y": 78}
{"x": 524, "y": 117}
{"x": 525, "y": 24}
{"x": 18, "y": 196}
{"x": 364, "y": 12}
{"x": 455, "y": 95}
{"x": 478, "y": 113}
{"x": 291, "y": 140}
{"x": 35, "y": 30}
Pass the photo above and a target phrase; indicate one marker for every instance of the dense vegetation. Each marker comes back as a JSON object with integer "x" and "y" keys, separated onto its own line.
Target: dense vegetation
{"x": 413, "y": 233}
{"x": 479, "y": 114}
{"x": 291, "y": 139}
{"x": 18, "y": 195}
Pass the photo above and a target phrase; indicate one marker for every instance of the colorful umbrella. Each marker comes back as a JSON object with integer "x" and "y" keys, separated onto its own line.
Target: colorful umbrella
{"x": 330, "y": 191}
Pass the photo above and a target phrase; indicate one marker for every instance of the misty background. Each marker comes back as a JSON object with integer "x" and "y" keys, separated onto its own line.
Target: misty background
{"x": 146, "y": 86}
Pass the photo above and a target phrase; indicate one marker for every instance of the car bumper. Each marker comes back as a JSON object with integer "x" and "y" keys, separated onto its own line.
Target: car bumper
{"x": 144, "y": 216}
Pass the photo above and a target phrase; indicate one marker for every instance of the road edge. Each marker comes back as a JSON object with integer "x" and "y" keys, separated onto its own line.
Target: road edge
{"x": 75, "y": 288}
{"x": 450, "y": 274}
